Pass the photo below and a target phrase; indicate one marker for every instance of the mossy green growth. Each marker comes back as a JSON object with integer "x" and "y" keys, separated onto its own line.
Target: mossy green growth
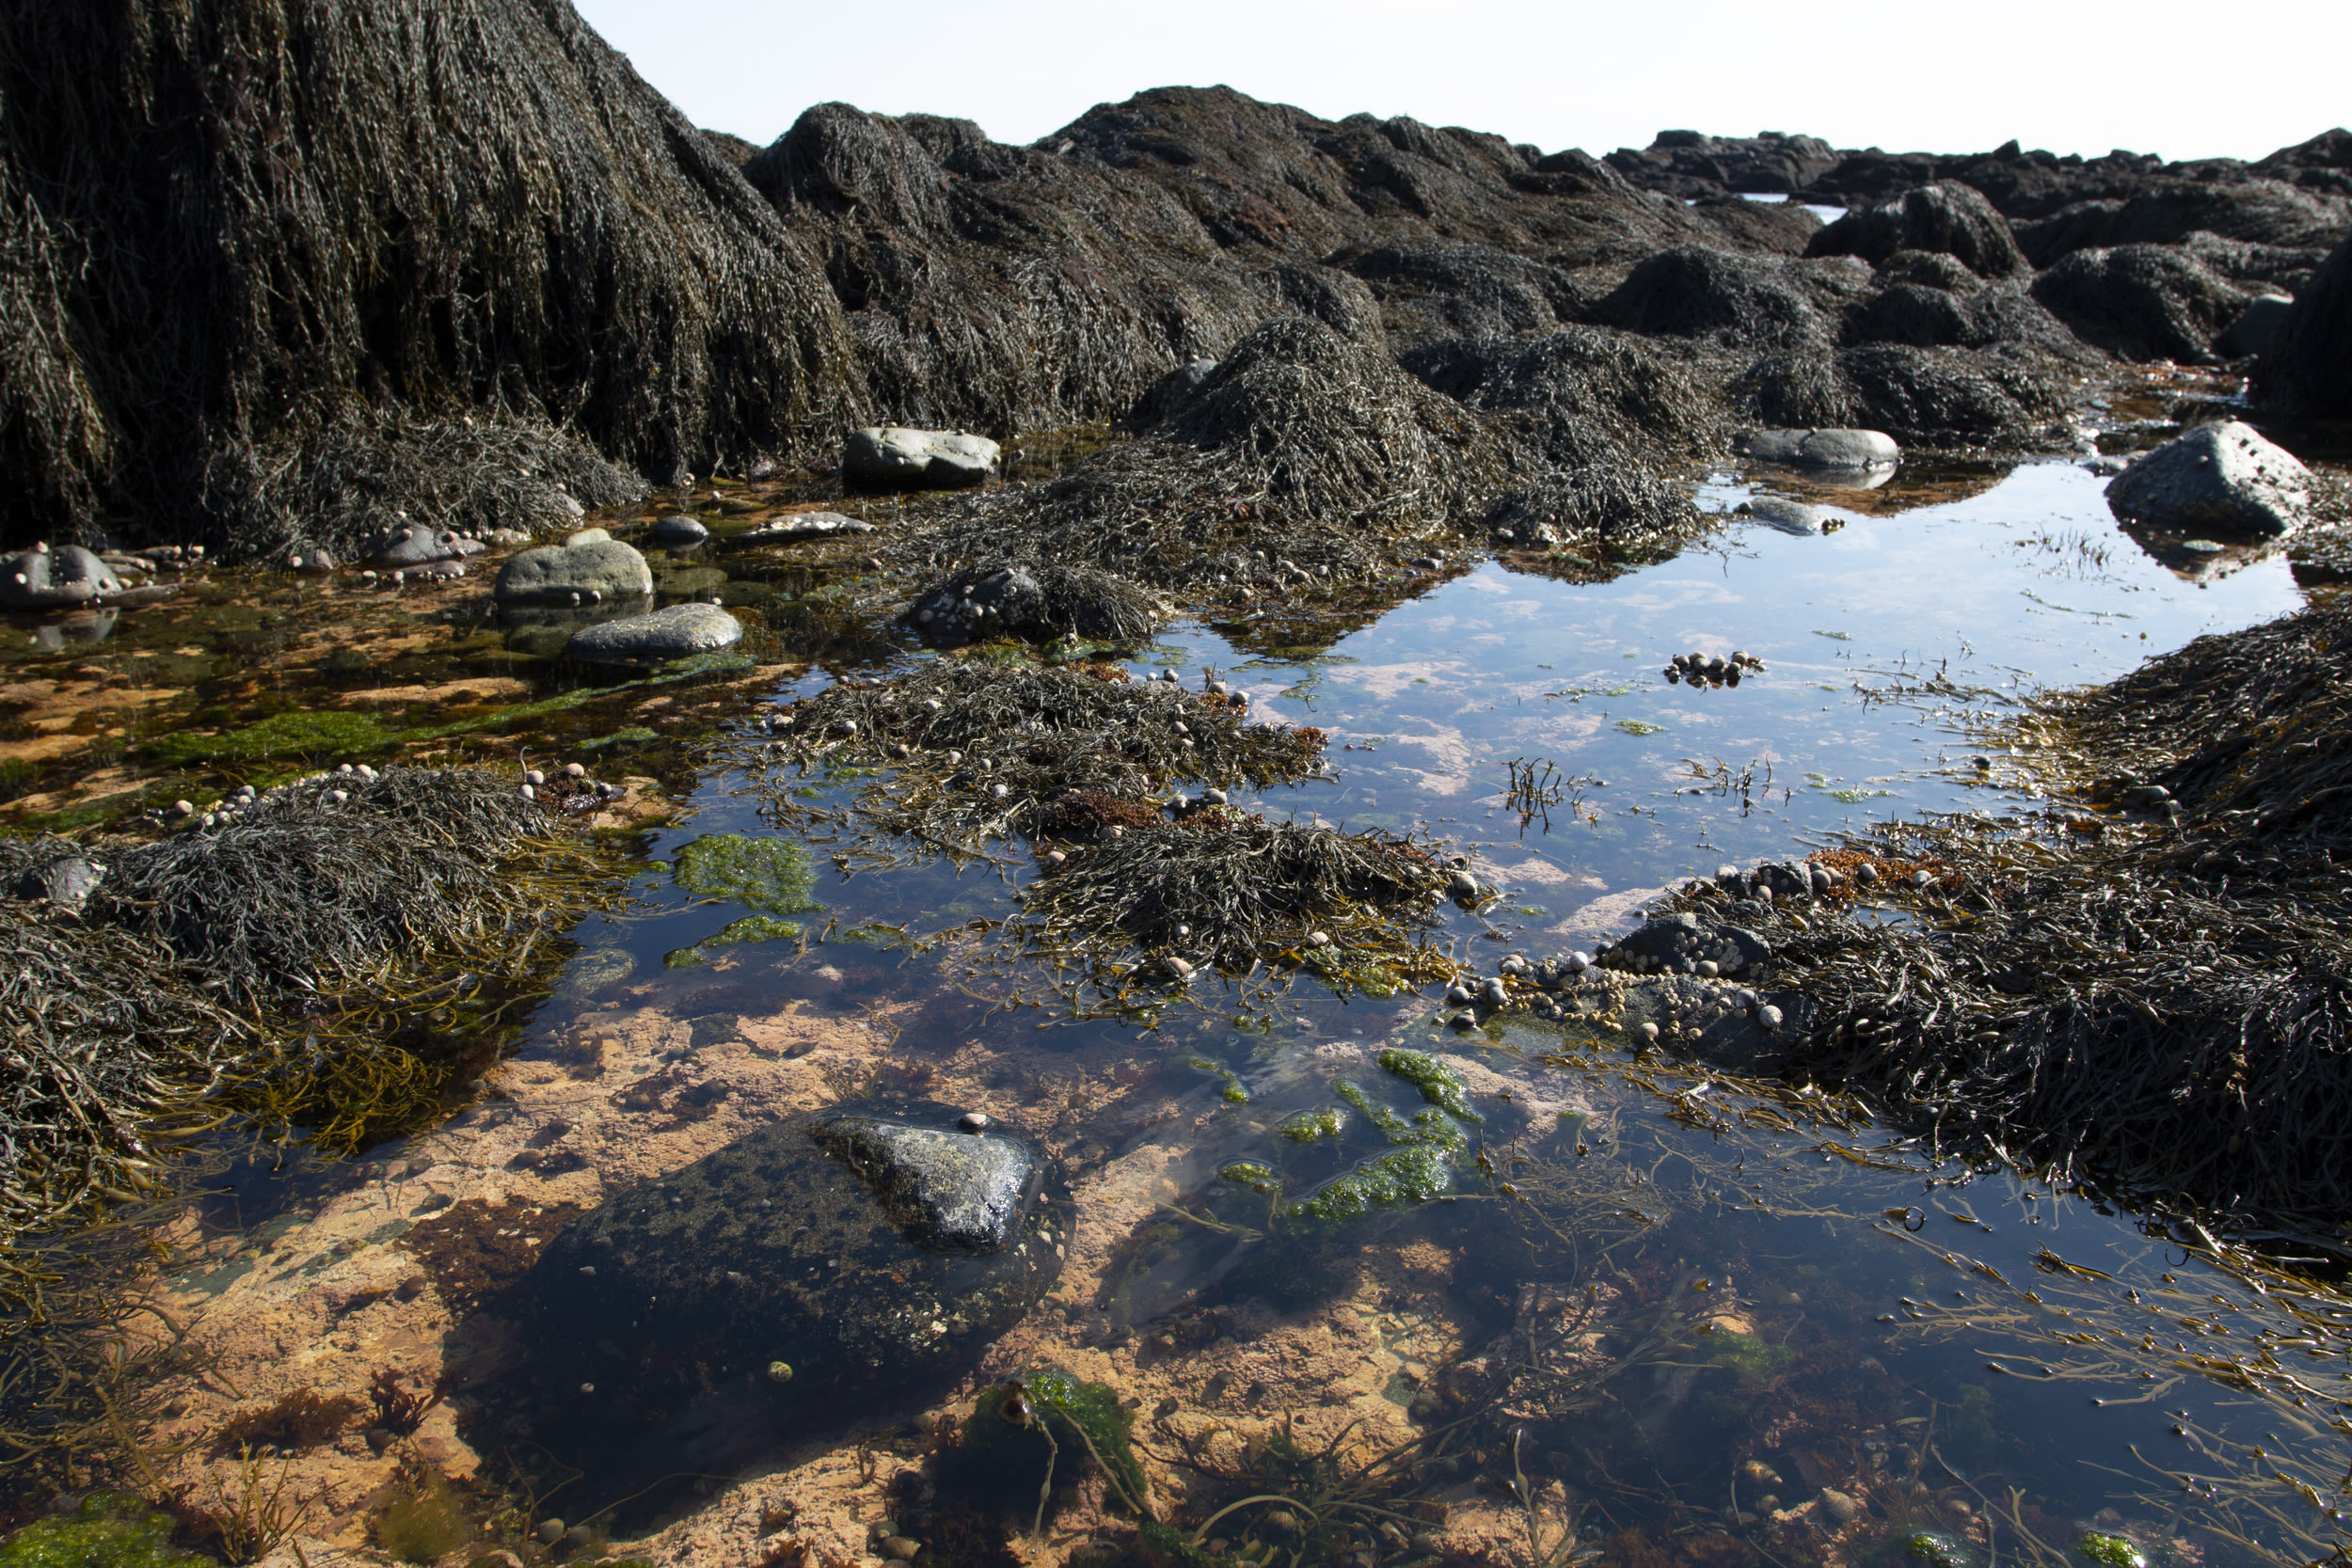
{"x": 316, "y": 737}
{"x": 1753, "y": 1361}
{"x": 2109, "y": 1551}
{"x": 1236, "y": 1092}
{"x": 682, "y": 957}
{"x": 1307, "y": 1127}
{"x": 755, "y": 928}
{"x": 1938, "y": 1550}
{"x": 1435, "y": 1080}
{"x": 111, "y": 1530}
{"x": 770, "y": 874}
{"x": 1414, "y": 1173}
{"x": 1249, "y": 1173}
{"x": 1088, "y": 1415}
{"x": 422, "y": 1522}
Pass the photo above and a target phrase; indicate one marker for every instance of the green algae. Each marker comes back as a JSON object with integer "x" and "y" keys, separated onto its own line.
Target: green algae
{"x": 1939, "y": 1551}
{"x": 1435, "y": 1080}
{"x": 110, "y": 1529}
{"x": 2108, "y": 1551}
{"x": 1250, "y": 1173}
{"x": 312, "y": 737}
{"x": 682, "y": 957}
{"x": 1236, "y": 1092}
{"x": 755, "y": 928}
{"x": 1414, "y": 1173}
{"x": 1089, "y": 1415}
{"x": 1307, "y": 1127}
{"x": 770, "y": 874}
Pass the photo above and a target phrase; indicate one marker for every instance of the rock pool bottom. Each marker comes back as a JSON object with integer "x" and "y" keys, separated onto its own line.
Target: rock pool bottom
{"x": 1688, "y": 1321}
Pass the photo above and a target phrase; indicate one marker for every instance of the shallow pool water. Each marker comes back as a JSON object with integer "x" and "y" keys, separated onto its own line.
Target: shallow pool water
{"x": 1649, "y": 1314}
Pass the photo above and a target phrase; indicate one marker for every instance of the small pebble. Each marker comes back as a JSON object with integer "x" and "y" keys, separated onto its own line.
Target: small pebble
{"x": 574, "y": 771}
{"x": 530, "y": 794}
{"x": 975, "y": 1121}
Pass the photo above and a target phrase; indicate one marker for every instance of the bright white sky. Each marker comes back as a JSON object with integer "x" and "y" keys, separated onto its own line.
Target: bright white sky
{"x": 2073, "y": 75}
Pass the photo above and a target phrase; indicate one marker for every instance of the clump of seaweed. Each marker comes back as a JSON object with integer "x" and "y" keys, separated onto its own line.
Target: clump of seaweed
{"x": 1302, "y": 460}
{"x": 985, "y": 752}
{"x": 1035, "y": 601}
{"x": 301, "y": 1420}
{"x": 112, "y": 1528}
{"x": 1230, "y": 889}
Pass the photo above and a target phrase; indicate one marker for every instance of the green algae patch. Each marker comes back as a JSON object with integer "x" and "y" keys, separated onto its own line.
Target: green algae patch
{"x": 109, "y": 1530}
{"x": 1307, "y": 1127}
{"x": 1236, "y": 1092}
{"x": 312, "y": 737}
{"x": 2108, "y": 1551}
{"x": 1412, "y": 1174}
{"x": 1250, "y": 1173}
{"x": 1936, "y": 1549}
{"x": 770, "y": 874}
{"x": 1083, "y": 1421}
{"x": 1435, "y": 1080}
{"x": 1090, "y": 1417}
{"x": 682, "y": 957}
{"x": 755, "y": 928}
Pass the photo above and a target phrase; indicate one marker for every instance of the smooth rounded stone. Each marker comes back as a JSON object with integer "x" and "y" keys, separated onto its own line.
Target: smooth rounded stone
{"x": 798, "y": 526}
{"x": 1787, "y": 515}
{"x": 581, "y": 564}
{"x": 316, "y": 561}
{"x": 1675, "y": 940}
{"x": 677, "y": 532}
{"x": 777, "y": 1248}
{"x": 415, "y": 543}
{"x": 1825, "y": 449}
{"x": 651, "y": 639}
{"x": 890, "y": 457}
{"x": 2255, "y": 325}
{"x": 57, "y": 579}
{"x": 2218, "y": 478}
{"x": 67, "y": 880}
{"x": 588, "y": 536}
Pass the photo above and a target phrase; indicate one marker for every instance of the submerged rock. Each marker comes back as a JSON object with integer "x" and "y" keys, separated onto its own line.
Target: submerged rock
{"x": 897, "y": 1254}
{"x": 650, "y": 639}
{"x": 891, "y": 458}
{"x": 590, "y": 562}
{"x": 1825, "y": 449}
{"x": 43, "y": 578}
{"x": 1787, "y": 515}
{"x": 2218, "y": 478}
{"x": 677, "y": 532}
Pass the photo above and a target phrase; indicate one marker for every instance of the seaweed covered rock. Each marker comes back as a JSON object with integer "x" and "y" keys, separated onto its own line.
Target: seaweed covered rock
{"x": 1931, "y": 397}
{"x": 1608, "y": 508}
{"x": 1567, "y": 388}
{"x": 895, "y": 458}
{"x": 1681, "y": 943}
{"x": 589, "y": 565}
{"x": 1303, "y": 457}
{"x": 1945, "y": 216}
{"x": 1035, "y": 601}
{"x": 1976, "y": 316}
{"x": 2218, "y": 478}
{"x": 1691, "y": 166}
{"x": 2142, "y": 301}
{"x": 640, "y": 642}
{"x": 2308, "y": 368}
{"x": 1439, "y": 287}
{"x": 815, "y": 1262}
{"x": 1731, "y": 301}
{"x": 60, "y": 579}
{"x": 2265, "y": 212}
{"x": 497, "y": 211}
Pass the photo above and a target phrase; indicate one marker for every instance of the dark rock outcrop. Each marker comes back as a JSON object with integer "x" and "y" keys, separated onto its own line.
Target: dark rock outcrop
{"x": 2142, "y": 301}
{"x": 1945, "y": 216}
{"x": 1728, "y": 301}
{"x": 1931, "y": 397}
{"x": 1688, "y": 165}
{"x": 2308, "y": 368}
{"x": 2263, "y": 212}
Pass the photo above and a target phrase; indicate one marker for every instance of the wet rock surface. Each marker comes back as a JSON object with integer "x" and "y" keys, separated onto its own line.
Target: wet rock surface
{"x": 2218, "y": 478}
{"x": 1787, "y": 515}
{"x": 891, "y": 458}
{"x": 591, "y": 564}
{"x": 801, "y": 1273}
{"x": 665, "y": 634}
{"x": 59, "y": 579}
{"x": 1825, "y": 449}
{"x": 416, "y": 545}
{"x": 1681, "y": 942}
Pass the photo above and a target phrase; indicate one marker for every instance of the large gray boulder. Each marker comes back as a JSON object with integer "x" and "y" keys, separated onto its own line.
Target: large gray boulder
{"x": 2218, "y": 479}
{"x": 822, "y": 1258}
{"x": 642, "y": 640}
{"x": 45, "y": 579}
{"x": 590, "y": 565}
{"x": 888, "y": 457}
{"x": 1825, "y": 449}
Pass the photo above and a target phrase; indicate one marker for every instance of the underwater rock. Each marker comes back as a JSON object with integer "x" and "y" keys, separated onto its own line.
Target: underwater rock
{"x": 2220, "y": 478}
{"x": 677, "y": 532}
{"x": 891, "y": 458}
{"x": 961, "y": 1189}
{"x": 776, "y": 1249}
{"x": 1825, "y": 449}
{"x": 1787, "y": 515}
{"x": 650, "y": 639}
{"x": 590, "y": 561}
{"x": 43, "y": 578}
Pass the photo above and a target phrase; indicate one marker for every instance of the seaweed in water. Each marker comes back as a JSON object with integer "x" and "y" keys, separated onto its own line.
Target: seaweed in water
{"x": 301, "y": 1420}
{"x": 108, "y": 1529}
{"x": 770, "y": 874}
